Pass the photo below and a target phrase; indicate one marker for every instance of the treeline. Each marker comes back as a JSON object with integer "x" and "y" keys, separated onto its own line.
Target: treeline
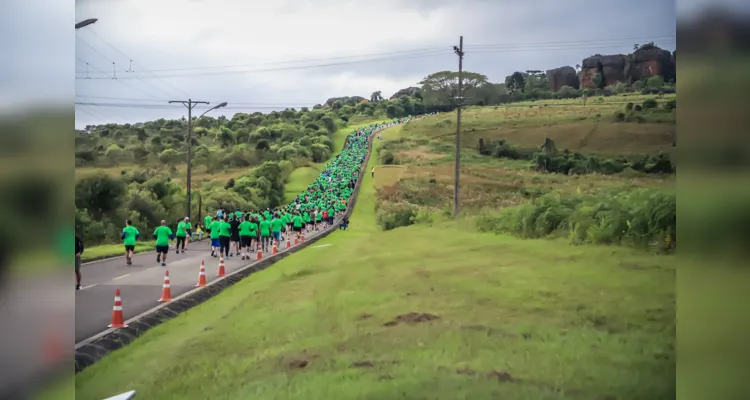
{"x": 269, "y": 145}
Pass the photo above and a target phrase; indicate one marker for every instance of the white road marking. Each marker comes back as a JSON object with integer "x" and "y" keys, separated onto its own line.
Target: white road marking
{"x": 87, "y": 287}
{"x": 120, "y": 277}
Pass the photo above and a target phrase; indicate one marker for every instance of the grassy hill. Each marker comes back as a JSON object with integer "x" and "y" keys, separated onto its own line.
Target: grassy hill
{"x": 435, "y": 310}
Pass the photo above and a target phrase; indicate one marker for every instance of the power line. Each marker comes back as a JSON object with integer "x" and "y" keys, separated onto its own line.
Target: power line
{"x": 117, "y": 80}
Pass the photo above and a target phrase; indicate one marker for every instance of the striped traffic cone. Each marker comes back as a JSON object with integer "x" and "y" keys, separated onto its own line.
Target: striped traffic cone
{"x": 201, "y": 276}
{"x": 275, "y": 248}
{"x": 220, "y": 271}
{"x": 288, "y": 242}
{"x": 166, "y": 290}
{"x": 303, "y": 237}
{"x": 118, "y": 319}
{"x": 260, "y": 254}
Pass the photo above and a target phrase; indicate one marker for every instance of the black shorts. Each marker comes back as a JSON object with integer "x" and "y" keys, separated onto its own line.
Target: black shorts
{"x": 298, "y": 229}
{"x": 129, "y": 247}
{"x": 289, "y": 225}
{"x": 236, "y": 238}
{"x": 224, "y": 241}
{"x": 245, "y": 241}
{"x": 162, "y": 249}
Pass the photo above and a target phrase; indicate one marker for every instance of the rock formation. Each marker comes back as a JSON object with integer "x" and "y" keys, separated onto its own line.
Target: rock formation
{"x": 643, "y": 63}
{"x": 611, "y": 68}
{"x": 410, "y": 91}
{"x": 562, "y": 76}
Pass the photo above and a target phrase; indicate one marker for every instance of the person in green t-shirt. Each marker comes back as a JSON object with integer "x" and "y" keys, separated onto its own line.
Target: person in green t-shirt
{"x": 214, "y": 235}
{"x": 206, "y": 223}
{"x": 225, "y": 233}
{"x": 306, "y": 220}
{"x": 181, "y": 235}
{"x": 129, "y": 236}
{"x": 163, "y": 235}
{"x": 265, "y": 234}
{"x": 297, "y": 224}
{"x": 318, "y": 218}
{"x": 247, "y": 234}
{"x": 277, "y": 224}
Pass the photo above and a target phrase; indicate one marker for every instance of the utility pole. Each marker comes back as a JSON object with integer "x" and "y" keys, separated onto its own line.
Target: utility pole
{"x": 459, "y": 99}
{"x": 189, "y": 104}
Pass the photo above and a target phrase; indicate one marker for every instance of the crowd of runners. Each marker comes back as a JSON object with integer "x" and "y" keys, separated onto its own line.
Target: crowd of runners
{"x": 242, "y": 233}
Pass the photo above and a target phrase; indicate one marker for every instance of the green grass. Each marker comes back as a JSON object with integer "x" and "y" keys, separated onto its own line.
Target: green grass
{"x": 564, "y": 321}
{"x": 110, "y": 250}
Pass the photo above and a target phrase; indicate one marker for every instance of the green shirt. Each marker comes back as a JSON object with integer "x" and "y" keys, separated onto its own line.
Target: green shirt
{"x": 318, "y": 216}
{"x": 162, "y": 235}
{"x": 207, "y": 222}
{"x": 277, "y": 224}
{"x": 130, "y": 234}
{"x": 225, "y": 228}
{"x": 246, "y": 229}
{"x": 181, "y": 226}
{"x": 265, "y": 228}
{"x": 297, "y": 221}
{"x": 214, "y": 229}
{"x": 306, "y": 217}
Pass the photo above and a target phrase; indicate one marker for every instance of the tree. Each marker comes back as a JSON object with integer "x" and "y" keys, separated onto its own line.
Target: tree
{"x": 515, "y": 82}
{"x": 441, "y": 88}
{"x": 170, "y": 157}
{"x": 99, "y": 194}
{"x": 376, "y": 96}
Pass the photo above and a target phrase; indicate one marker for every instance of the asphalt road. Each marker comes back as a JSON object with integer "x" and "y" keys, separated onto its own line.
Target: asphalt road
{"x": 141, "y": 283}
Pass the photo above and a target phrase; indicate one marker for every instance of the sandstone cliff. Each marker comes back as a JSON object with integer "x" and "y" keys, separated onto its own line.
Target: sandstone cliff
{"x": 563, "y": 76}
{"x": 643, "y": 63}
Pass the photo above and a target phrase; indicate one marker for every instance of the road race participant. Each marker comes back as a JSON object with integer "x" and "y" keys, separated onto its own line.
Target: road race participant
{"x": 129, "y": 235}
{"x": 225, "y": 233}
{"x": 265, "y": 233}
{"x": 181, "y": 236}
{"x": 247, "y": 233}
{"x": 79, "y": 251}
{"x": 234, "y": 237}
{"x": 162, "y": 235}
{"x": 188, "y": 230}
{"x": 207, "y": 223}
{"x": 214, "y": 235}
{"x": 297, "y": 224}
{"x": 277, "y": 224}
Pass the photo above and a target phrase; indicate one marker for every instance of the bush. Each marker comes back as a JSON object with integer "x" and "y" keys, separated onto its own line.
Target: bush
{"x": 629, "y": 106}
{"x": 578, "y": 164}
{"x": 387, "y": 158}
{"x": 393, "y": 215}
{"x": 637, "y": 108}
{"x": 649, "y": 104}
{"x": 670, "y": 105}
{"x": 620, "y": 116}
{"x": 639, "y": 218}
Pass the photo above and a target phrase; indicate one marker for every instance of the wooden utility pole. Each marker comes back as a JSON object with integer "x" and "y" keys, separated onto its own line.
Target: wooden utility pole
{"x": 459, "y": 99}
{"x": 189, "y": 104}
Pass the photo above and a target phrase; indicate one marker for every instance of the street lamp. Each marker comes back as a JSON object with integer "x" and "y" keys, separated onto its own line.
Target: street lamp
{"x": 85, "y": 23}
{"x": 190, "y": 104}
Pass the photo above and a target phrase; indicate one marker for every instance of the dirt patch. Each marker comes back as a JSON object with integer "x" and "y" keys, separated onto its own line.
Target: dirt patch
{"x": 412, "y": 318}
{"x": 501, "y": 376}
{"x": 465, "y": 371}
{"x": 298, "y": 364}
{"x": 421, "y": 153}
{"x": 363, "y": 364}
{"x": 364, "y": 316}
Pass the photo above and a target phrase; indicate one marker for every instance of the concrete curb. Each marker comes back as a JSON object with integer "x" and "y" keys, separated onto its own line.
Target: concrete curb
{"x": 93, "y": 349}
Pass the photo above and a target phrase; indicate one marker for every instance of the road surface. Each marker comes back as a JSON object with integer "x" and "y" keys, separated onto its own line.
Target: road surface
{"x": 141, "y": 283}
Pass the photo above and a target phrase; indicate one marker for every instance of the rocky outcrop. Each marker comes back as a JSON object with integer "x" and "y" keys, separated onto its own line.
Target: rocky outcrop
{"x": 410, "y": 91}
{"x": 346, "y": 100}
{"x": 643, "y": 63}
{"x": 563, "y": 76}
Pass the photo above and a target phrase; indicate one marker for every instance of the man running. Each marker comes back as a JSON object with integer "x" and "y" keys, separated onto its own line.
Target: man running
{"x": 129, "y": 235}
{"x": 213, "y": 229}
{"x": 297, "y": 224}
{"x": 207, "y": 223}
{"x": 234, "y": 237}
{"x": 163, "y": 234}
{"x": 247, "y": 231}
{"x": 265, "y": 234}
{"x": 277, "y": 224}
{"x": 79, "y": 251}
{"x": 225, "y": 233}
{"x": 181, "y": 236}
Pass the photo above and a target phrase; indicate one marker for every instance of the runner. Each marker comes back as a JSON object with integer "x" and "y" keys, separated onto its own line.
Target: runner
{"x": 318, "y": 219}
{"x": 79, "y": 251}
{"x": 234, "y": 222}
{"x": 265, "y": 234}
{"x": 298, "y": 224}
{"x": 277, "y": 224}
{"x": 181, "y": 236}
{"x": 163, "y": 235}
{"x": 225, "y": 232}
{"x": 213, "y": 230}
{"x": 129, "y": 235}
{"x": 247, "y": 231}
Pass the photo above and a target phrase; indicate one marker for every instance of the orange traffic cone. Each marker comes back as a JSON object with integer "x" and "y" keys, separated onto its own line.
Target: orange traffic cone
{"x": 296, "y": 241}
{"x": 303, "y": 237}
{"x": 220, "y": 271}
{"x": 166, "y": 290}
{"x": 260, "y": 254}
{"x": 202, "y": 276}
{"x": 275, "y": 248}
{"x": 118, "y": 319}
{"x": 288, "y": 242}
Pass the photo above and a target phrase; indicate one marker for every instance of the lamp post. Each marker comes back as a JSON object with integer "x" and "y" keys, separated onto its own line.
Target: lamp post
{"x": 190, "y": 104}
{"x": 85, "y": 23}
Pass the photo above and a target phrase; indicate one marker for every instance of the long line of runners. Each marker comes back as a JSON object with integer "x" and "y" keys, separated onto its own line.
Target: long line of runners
{"x": 238, "y": 233}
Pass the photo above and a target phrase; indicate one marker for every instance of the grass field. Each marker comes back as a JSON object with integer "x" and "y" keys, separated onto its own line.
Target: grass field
{"x": 435, "y": 311}
{"x": 109, "y": 250}
{"x": 589, "y": 128}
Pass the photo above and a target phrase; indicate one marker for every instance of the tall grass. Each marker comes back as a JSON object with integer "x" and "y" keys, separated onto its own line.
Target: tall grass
{"x": 641, "y": 217}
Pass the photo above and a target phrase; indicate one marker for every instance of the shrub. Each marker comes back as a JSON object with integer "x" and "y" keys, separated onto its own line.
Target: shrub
{"x": 637, "y": 108}
{"x": 649, "y": 104}
{"x": 387, "y": 158}
{"x": 629, "y": 106}
{"x": 670, "y": 105}
{"x": 393, "y": 215}
{"x": 620, "y": 116}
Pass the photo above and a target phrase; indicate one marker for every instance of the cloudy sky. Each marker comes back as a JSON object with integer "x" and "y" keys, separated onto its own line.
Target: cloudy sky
{"x": 261, "y": 55}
